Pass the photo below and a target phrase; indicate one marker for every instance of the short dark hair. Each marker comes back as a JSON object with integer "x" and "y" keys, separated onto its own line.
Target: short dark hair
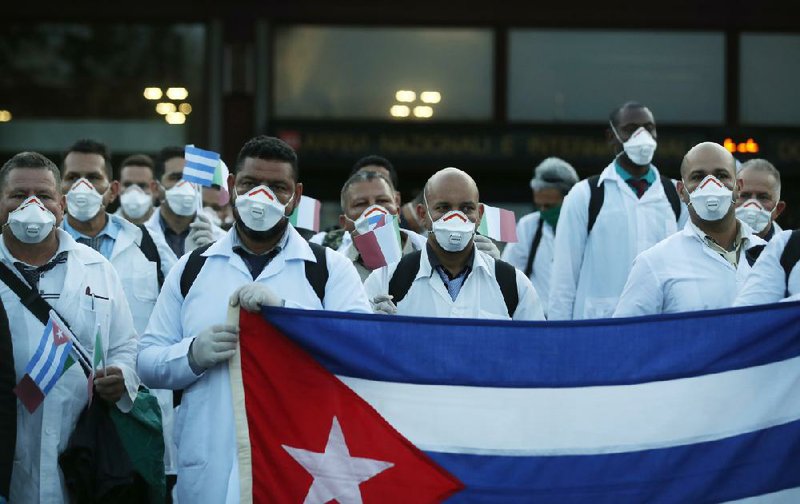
{"x": 138, "y": 160}
{"x": 613, "y": 117}
{"x": 373, "y": 160}
{"x": 164, "y": 155}
{"x": 32, "y": 160}
{"x": 88, "y": 146}
{"x": 362, "y": 176}
{"x": 269, "y": 149}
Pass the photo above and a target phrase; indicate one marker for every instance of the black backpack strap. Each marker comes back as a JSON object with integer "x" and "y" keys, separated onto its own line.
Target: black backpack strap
{"x": 150, "y": 251}
{"x": 8, "y": 404}
{"x": 537, "y": 237}
{"x": 404, "y": 276}
{"x": 596, "y": 196}
{"x": 790, "y": 256}
{"x": 317, "y": 272}
{"x": 752, "y": 253}
{"x": 506, "y": 276}
{"x": 672, "y": 196}
{"x": 193, "y": 266}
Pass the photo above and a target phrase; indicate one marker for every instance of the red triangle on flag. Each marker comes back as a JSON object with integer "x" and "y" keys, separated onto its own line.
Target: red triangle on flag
{"x": 304, "y": 420}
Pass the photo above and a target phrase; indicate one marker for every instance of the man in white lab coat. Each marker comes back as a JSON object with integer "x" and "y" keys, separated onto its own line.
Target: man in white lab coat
{"x": 759, "y": 202}
{"x": 703, "y": 266}
{"x": 261, "y": 261}
{"x": 775, "y": 276}
{"x": 607, "y": 220}
{"x": 450, "y": 276}
{"x": 84, "y": 289}
{"x": 131, "y": 249}
{"x": 536, "y": 232}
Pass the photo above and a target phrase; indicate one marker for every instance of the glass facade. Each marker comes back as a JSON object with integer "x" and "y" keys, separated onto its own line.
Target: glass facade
{"x": 769, "y": 75}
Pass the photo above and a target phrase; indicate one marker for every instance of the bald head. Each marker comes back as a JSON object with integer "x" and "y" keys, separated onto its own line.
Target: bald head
{"x": 706, "y": 155}
{"x": 450, "y": 189}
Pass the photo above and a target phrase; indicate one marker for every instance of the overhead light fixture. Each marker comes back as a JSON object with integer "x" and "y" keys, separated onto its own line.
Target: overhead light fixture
{"x": 5, "y": 115}
{"x": 165, "y": 108}
{"x": 177, "y": 93}
{"x": 399, "y": 111}
{"x": 430, "y": 96}
{"x": 153, "y": 93}
{"x": 175, "y": 118}
{"x": 185, "y": 108}
{"x": 423, "y": 111}
{"x": 405, "y": 96}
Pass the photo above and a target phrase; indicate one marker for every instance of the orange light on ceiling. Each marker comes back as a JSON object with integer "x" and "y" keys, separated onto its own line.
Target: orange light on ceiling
{"x": 748, "y": 147}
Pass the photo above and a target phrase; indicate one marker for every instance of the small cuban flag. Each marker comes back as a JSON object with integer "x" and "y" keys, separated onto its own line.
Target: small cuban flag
{"x": 498, "y": 224}
{"x": 306, "y": 214}
{"x": 201, "y": 165}
{"x": 46, "y": 366}
{"x": 380, "y": 246}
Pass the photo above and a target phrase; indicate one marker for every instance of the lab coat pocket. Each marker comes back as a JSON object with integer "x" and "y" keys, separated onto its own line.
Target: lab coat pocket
{"x": 145, "y": 282}
{"x": 94, "y": 310}
{"x": 599, "y": 307}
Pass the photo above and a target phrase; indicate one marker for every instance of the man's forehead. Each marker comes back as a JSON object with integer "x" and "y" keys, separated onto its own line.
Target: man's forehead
{"x": 21, "y": 177}
{"x": 174, "y": 164}
{"x": 268, "y": 169}
{"x": 757, "y": 177}
{"x": 374, "y": 187}
{"x": 135, "y": 171}
{"x": 635, "y": 115}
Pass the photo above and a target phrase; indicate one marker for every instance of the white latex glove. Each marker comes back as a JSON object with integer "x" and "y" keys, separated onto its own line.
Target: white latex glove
{"x": 212, "y": 346}
{"x": 487, "y": 246}
{"x": 253, "y": 296}
{"x": 382, "y": 303}
{"x": 200, "y": 233}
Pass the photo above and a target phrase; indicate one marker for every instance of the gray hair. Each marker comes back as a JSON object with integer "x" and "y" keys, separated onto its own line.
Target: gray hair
{"x": 31, "y": 160}
{"x": 764, "y": 166}
{"x": 554, "y": 173}
{"x": 362, "y": 176}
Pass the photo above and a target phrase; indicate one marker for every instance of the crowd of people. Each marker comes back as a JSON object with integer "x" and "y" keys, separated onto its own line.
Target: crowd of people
{"x": 157, "y": 276}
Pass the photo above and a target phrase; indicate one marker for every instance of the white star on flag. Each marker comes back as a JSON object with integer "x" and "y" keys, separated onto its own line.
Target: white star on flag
{"x": 336, "y": 474}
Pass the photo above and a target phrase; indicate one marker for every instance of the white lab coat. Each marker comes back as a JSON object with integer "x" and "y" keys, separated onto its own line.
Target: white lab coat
{"x": 480, "y": 296}
{"x": 517, "y": 253}
{"x": 682, "y": 274}
{"x": 168, "y": 257}
{"x": 204, "y": 425}
{"x": 589, "y": 272}
{"x": 413, "y": 243}
{"x": 36, "y": 476}
{"x": 767, "y": 280}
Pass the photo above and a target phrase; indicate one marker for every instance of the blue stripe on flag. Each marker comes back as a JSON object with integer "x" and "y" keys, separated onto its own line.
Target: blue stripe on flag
{"x": 59, "y": 367}
{"x": 200, "y": 165}
{"x": 48, "y": 363}
{"x": 734, "y": 468}
{"x": 580, "y": 353}
{"x": 48, "y": 333}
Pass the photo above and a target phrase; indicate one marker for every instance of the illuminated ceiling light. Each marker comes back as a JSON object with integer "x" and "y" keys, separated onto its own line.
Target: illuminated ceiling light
{"x": 153, "y": 93}
{"x": 175, "y": 118}
{"x": 5, "y": 115}
{"x": 423, "y": 111}
{"x": 405, "y": 96}
{"x": 430, "y": 96}
{"x": 165, "y": 108}
{"x": 185, "y": 108}
{"x": 399, "y": 111}
{"x": 177, "y": 93}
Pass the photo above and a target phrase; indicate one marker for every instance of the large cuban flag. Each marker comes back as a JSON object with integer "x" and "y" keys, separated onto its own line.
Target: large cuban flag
{"x": 701, "y": 407}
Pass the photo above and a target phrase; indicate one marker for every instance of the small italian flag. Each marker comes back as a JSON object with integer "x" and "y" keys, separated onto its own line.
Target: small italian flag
{"x": 380, "y": 246}
{"x": 220, "y": 181}
{"x": 498, "y": 224}
{"x": 306, "y": 214}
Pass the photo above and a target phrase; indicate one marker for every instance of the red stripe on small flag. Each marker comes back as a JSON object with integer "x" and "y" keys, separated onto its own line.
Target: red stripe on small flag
{"x": 508, "y": 226}
{"x": 317, "y": 207}
{"x": 29, "y": 394}
{"x": 370, "y": 250}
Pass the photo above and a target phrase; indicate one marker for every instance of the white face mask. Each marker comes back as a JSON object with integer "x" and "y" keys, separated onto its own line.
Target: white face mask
{"x": 31, "y": 222}
{"x": 260, "y": 209}
{"x": 135, "y": 202}
{"x": 83, "y": 200}
{"x": 711, "y": 200}
{"x": 453, "y": 231}
{"x": 640, "y": 147}
{"x": 182, "y": 199}
{"x": 369, "y": 218}
{"x": 754, "y": 215}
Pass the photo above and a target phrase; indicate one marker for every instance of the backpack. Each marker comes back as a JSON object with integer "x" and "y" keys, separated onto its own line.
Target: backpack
{"x": 150, "y": 251}
{"x": 316, "y": 272}
{"x": 790, "y": 256}
{"x": 597, "y": 195}
{"x": 537, "y": 238}
{"x": 407, "y": 269}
